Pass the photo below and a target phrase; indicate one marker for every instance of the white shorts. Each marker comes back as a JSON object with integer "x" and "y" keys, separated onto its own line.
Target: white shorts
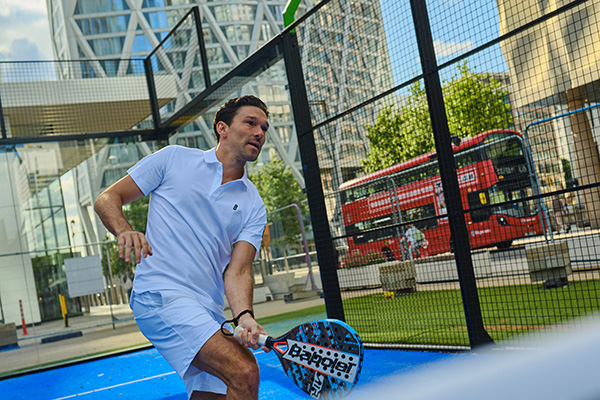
{"x": 178, "y": 325}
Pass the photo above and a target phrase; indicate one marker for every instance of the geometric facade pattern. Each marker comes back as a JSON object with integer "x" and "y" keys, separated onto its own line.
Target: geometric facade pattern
{"x": 112, "y": 32}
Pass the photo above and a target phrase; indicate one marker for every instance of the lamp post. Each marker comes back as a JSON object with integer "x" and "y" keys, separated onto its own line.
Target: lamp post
{"x": 336, "y": 172}
{"x": 306, "y": 255}
{"x": 535, "y": 184}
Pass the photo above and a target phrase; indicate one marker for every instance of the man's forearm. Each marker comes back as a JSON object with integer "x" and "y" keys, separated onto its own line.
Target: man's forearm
{"x": 109, "y": 208}
{"x": 239, "y": 290}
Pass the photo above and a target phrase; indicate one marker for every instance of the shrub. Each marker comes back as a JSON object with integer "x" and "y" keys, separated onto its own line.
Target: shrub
{"x": 357, "y": 259}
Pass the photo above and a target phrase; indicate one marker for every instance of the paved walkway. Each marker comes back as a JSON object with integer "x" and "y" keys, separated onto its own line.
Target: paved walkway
{"x": 100, "y": 335}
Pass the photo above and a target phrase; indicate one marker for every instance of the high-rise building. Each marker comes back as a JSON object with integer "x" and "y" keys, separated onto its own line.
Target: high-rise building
{"x": 115, "y": 31}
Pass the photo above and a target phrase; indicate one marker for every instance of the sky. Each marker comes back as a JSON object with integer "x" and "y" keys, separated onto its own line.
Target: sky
{"x": 26, "y": 34}
{"x": 25, "y": 31}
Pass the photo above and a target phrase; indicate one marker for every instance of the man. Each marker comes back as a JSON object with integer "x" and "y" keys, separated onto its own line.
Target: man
{"x": 205, "y": 225}
{"x": 559, "y": 213}
{"x": 416, "y": 241}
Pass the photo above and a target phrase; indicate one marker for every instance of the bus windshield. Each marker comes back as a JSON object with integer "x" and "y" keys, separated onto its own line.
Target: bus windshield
{"x": 500, "y": 194}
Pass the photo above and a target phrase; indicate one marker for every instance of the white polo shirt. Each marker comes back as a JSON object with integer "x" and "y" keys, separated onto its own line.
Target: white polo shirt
{"x": 193, "y": 222}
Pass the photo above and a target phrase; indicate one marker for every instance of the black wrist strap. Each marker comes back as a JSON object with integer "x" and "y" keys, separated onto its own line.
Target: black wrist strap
{"x": 234, "y": 321}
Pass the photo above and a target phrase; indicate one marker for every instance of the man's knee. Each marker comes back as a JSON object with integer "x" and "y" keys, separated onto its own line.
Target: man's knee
{"x": 245, "y": 377}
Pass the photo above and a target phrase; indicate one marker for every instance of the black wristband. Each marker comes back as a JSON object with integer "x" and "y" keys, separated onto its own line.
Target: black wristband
{"x": 235, "y": 320}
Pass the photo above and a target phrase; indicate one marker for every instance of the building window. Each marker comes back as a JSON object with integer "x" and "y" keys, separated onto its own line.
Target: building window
{"x": 96, "y": 6}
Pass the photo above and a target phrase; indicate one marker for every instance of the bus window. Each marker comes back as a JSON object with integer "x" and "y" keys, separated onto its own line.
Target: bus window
{"x": 363, "y": 191}
{"x": 504, "y": 193}
{"x": 466, "y": 159}
{"x": 366, "y": 231}
{"x": 421, "y": 212}
{"x": 477, "y": 199}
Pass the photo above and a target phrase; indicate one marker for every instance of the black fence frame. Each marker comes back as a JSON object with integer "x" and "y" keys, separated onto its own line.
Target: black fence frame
{"x": 285, "y": 46}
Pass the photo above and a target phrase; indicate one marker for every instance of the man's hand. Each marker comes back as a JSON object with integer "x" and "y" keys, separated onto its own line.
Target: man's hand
{"x": 128, "y": 240}
{"x": 248, "y": 336}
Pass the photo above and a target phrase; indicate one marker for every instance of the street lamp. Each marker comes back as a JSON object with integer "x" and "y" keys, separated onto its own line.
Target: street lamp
{"x": 535, "y": 184}
{"x": 336, "y": 173}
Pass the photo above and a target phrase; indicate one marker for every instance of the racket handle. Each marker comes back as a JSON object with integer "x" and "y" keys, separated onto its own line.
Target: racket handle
{"x": 262, "y": 339}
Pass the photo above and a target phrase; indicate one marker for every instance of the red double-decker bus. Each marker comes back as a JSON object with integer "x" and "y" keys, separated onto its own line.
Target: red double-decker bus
{"x": 492, "y": 168}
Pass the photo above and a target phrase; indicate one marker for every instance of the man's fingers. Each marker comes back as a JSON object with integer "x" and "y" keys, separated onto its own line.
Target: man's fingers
{"x": 137, "y": 248}
{"x": 127, "y": 248}
{"x": 146, "y": 249}
{"x": 121, "y": 244}
{"x": 133, "y": 241}
{"x": 248, "y": 337}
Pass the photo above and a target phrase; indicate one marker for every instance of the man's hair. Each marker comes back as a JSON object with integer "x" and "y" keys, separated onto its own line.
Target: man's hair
{"x": 227, "y": 111}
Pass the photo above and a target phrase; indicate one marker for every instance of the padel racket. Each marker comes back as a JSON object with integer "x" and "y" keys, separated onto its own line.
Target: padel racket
{"x": 323, "y": 358}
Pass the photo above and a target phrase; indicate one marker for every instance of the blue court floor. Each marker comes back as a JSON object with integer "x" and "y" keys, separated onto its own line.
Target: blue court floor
{"x": 146, "y": 375}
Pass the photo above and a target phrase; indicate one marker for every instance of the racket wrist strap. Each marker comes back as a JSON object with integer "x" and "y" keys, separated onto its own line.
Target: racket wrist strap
{"x": 236, "y": 319}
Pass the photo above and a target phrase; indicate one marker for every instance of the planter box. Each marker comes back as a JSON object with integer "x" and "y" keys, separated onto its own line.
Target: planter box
{"x": 398, "y": 276}
{"x": 359, "y": 277}
{"x": 549, "y": 263}
{"x": 8, "y": 336}
{"x": 281, "y": 284}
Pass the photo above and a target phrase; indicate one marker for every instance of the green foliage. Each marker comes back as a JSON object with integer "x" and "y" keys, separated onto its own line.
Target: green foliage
{"x": 278, "y": 188}
{"x": 117, "y": 264}
{"x": 357, "y": 259}
{"x": 568, "y": 173}
{"x": 136, "y": 213}
{"x": 474, "y": 103}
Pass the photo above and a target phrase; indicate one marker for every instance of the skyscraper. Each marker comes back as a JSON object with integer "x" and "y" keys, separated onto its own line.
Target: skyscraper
{"x": 115, "y": 31}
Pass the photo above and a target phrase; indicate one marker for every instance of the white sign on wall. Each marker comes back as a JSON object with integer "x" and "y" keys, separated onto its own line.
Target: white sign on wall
{"x": 84, "y": 275}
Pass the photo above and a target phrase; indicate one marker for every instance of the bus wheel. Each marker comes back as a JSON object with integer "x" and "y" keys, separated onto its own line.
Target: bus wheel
{"x": 504, "y": 245}
{"x": 388, "y": 253}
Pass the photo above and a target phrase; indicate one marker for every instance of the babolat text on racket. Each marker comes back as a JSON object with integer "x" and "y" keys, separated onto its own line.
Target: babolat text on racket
{"x": 323, "y": 358}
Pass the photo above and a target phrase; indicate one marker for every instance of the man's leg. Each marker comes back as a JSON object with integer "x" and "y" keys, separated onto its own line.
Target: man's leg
{"x": 223, "y": 357}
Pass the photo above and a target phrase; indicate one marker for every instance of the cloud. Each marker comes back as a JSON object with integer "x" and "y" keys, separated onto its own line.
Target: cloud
{"x": 20, "y": 50}
{"x": 25, "y": 31}
{"x": 29, "y": 5}
{"x": 445, "y": 49}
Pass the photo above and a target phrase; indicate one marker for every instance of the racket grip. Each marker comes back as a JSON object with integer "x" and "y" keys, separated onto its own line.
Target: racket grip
{"x": 262, "y": 339}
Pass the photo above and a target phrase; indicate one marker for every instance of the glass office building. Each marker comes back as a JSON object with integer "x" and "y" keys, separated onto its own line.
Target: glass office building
{"x": 115, "y": 31}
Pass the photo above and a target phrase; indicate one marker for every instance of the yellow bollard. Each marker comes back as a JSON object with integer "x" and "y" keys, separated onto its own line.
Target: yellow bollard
{"x": 63, "y": 309}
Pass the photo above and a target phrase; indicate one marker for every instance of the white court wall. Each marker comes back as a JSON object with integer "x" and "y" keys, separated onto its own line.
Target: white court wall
{"x": 16, "y": 272}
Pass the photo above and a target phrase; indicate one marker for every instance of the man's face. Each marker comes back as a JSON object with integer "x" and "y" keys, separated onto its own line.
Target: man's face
{"x": 246, "y": 134}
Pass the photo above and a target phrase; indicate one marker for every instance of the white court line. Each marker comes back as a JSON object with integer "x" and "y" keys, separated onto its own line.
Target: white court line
{"x": 114, "y": 386}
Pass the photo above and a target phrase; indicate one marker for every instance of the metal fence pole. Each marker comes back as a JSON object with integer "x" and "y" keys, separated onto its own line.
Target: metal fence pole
{"x": 443, "y": 145}
{"x": 312, "y": 178}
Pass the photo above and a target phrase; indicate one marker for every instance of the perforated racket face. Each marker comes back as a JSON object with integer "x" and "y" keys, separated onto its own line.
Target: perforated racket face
{"x": 323, "y": 358}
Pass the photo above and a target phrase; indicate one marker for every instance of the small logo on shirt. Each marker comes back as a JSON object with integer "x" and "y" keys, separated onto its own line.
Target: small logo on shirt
{"x": 235, "y": 207}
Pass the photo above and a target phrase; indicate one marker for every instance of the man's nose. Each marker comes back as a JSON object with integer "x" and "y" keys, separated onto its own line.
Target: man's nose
{"x": 259, "y": 133}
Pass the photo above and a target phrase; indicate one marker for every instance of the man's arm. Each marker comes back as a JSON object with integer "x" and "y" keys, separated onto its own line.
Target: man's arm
{"x": 239, "y": 290}
{"x": 109, "y": 207}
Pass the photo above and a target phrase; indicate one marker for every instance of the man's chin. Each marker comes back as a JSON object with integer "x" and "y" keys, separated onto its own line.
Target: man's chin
{"x": 252, "y": 156}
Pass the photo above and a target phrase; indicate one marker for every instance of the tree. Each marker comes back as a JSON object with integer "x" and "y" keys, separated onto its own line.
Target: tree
{"x": 136, "y": 213}
{"x": 474, "y": 103}
{"x": 278, "y": 188}
{"x": 568, "y": 173}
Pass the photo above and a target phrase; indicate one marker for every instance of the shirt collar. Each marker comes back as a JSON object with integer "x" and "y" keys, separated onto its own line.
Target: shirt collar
{"x": 210, "y": 156}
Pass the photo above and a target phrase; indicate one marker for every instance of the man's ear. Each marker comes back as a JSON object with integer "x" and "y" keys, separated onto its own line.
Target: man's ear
{"x": 222, "y": 128}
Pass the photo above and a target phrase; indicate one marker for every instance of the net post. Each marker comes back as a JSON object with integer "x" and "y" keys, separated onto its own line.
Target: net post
{"x": 312, "y": 178}
{"x": 443, "y": 144}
